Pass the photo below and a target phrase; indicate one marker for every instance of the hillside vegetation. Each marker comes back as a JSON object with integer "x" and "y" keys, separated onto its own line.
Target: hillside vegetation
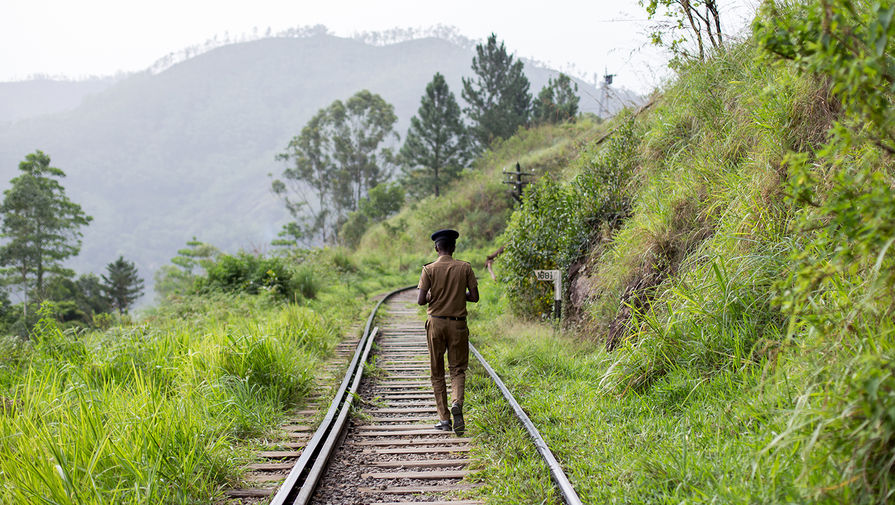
{"x": 727, "y": 332}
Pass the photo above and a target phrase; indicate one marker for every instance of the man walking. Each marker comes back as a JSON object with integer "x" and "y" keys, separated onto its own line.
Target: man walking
{"x": 446, "y": 285}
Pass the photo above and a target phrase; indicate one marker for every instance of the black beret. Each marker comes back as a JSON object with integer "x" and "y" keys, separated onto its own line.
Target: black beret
{"x": 445, "y": 235}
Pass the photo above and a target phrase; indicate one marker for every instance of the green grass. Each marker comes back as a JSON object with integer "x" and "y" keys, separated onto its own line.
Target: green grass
{"x": 167, "y": 409}
{"x": 150, "y": 413}
{"x": 733, "y": 377}
{"x": 728, "y": 419}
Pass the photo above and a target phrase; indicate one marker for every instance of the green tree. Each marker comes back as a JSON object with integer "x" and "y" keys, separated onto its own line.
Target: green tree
{"x": 196, "y": 254}
{"x": 498, "y": 97}
{"x": 123, "y": 285}
{"x": 382, "y": 201}
{"x": 41, "y": 226}
{"x": 557, "y": 101}
{"x": 340, "y": 156}
{"x": 289, "y": 236}
{"x": 362, "y": 124}
{"x": 91, "y": 295}
{"x": 77, "y": 300}
{"x": 435, "y": 148}
{"x": 683, "y": 24}
{"x": 180, "y": 276}
{"x": 310, "y": 154}
{"x": 8, "y": 314}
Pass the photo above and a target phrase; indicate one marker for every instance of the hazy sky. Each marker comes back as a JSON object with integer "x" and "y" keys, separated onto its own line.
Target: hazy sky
{"x": 78, "y": 38}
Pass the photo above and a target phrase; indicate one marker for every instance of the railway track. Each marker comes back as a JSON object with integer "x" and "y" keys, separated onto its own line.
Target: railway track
{"x": 389, "y": 454}
{"x": 283, "y": 448}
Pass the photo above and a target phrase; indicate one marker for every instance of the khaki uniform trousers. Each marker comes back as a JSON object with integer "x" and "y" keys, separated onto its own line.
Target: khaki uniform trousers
{"x": 453, "y": 337}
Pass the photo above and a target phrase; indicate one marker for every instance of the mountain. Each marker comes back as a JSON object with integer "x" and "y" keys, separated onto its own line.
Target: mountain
{"x": 157, "y": 158}
{"x": 40, "y": 96}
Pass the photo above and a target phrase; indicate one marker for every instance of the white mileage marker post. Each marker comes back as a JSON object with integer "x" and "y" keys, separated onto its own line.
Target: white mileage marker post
{"x": 553, "y": 275}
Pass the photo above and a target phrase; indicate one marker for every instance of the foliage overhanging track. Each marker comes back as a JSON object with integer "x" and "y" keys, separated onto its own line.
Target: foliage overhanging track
{"x": 304, "y": 477}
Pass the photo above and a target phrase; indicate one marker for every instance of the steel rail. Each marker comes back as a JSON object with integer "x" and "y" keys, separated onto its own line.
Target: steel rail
{"x": 299, "y": 485}
{"x": 303, "y": 478}
{"x": 559, "y": 477}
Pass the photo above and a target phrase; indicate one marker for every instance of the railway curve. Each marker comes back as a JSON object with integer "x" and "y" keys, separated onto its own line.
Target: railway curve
{"x": 391, "y": 454}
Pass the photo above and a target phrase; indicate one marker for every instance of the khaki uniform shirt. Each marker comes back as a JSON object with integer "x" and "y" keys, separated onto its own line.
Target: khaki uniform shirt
{"x": 447, "y": 280}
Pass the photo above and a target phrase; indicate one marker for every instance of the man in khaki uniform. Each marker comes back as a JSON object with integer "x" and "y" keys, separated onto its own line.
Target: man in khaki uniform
{"x": 446, "y": 285}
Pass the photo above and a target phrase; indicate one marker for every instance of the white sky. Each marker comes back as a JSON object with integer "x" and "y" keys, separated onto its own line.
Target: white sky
{"x": 79, "y": 38}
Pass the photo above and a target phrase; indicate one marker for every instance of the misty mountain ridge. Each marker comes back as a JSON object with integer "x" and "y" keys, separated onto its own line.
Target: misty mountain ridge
{"x": 46, "y": 95}
{"x": 157, "y": 158}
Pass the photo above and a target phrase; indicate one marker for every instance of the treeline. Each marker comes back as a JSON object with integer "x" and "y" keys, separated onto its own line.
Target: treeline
{"x": 41, "y": 228}
{"x": 346, "y": 169}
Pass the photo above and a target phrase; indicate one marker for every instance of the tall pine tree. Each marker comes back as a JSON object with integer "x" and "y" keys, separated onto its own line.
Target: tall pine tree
{"x": 435, "y": 149}
{"x": 41, "y": 226}
{"x": 498, "y": 97}
{"x": 122, "y": 285}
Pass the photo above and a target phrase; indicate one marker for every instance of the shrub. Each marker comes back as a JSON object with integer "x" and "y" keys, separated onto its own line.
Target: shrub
{"x": 840, "y": 288}
{"x": 342, "y": 262}
{"x": 304, "y": 281}
{"x": 556, "y": 222}
{"x": 250, "y": 274}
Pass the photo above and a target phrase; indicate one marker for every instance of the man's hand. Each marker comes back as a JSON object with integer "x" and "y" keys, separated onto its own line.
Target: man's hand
{"x": 473, "y": 295}
{"x": 423, "y": 297}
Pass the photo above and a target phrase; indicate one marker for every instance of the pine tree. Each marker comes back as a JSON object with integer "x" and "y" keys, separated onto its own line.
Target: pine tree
{"x": 557, "y": 101}
{"x": 498, "y": 97}
{"x": 123, "y": 285}
{"x": 179, "y": 276}
{"x": 435, "y": 149}
{"x": 41, "y": 226}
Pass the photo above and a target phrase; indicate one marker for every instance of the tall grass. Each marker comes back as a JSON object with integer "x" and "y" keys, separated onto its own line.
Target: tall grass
{"x": 698, "y": 409}
{"x": 149, "y": 413}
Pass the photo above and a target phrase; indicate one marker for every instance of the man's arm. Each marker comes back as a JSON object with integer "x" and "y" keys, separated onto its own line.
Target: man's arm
{"x": 472, "y": 286}
{"x": 423, "y": 297}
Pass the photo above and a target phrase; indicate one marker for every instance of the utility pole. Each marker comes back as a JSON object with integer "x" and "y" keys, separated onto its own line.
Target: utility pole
{"x": 517, "y": 183}
{"x": 604, "y": 102}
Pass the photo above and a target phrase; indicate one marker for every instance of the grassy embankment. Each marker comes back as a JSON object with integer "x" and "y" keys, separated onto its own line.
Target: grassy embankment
{"x": 167, "y": 409}
{"x": 716, "y": 390}
{"x": 478, "y": 204}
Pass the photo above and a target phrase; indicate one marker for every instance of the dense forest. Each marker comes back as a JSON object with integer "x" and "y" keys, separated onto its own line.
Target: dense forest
{"x": 726, "y": 332}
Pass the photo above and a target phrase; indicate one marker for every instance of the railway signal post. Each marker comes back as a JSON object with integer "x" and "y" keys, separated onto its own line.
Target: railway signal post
{"x": 553, "y": 275}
